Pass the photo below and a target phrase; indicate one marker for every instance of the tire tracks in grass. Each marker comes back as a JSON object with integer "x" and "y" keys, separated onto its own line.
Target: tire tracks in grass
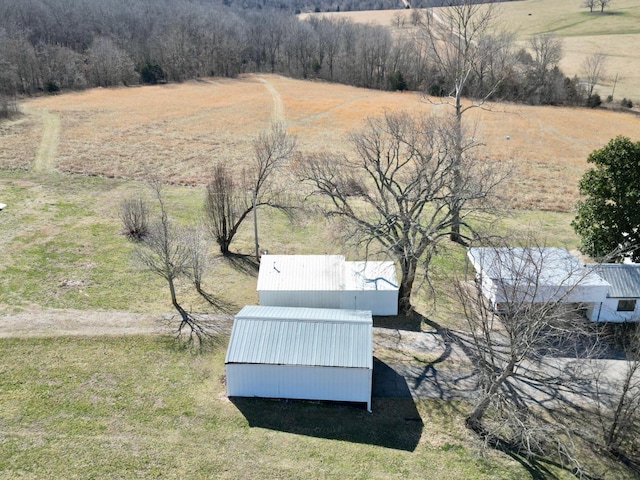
{"x": 45, "y": 159}
{"x": 277, "y": 115}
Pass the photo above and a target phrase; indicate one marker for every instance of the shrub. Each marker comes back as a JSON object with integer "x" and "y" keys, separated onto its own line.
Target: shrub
{"x": 152, "y": 73}
{"x": 397, "y": 81}
{"x": 594, "y": 101}
{"x": 52, "y": 87}
{"x": 134, "y": 214}
{"x": 626, "y": 103}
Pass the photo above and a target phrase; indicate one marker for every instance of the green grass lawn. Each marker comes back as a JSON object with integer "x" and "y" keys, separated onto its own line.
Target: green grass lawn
{"x": 61, "y": 247}
{"x": 140, "y": 407}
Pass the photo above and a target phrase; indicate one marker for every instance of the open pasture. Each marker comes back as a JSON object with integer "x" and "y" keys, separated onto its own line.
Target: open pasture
{"x": 179, "y": 131}
{"x": 615, "y": 33}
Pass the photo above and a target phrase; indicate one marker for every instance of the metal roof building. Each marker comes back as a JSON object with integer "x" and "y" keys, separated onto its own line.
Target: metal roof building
{"x": 328, "y": 281}
{"x": 535, "y": 274}
{"x": 621, "y": 302}
{"x": 302, "y": 353}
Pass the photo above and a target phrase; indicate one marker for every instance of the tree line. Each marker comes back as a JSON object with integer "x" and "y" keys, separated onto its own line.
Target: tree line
{"x": 53, "y": 45}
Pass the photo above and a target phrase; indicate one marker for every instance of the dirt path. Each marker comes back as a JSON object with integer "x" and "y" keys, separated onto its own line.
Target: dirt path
{"x": 277, "y": 115}
{"x": 63, "y": 322}
{"x": 46, "y": 154}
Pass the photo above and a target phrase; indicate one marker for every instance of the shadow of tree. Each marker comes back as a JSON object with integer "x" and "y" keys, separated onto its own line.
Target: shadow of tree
{"x": 243, "y": 263}
{"x": 219, "y": 304}
{"x": 395, "y": 422}
{"x": 411, "y": 322}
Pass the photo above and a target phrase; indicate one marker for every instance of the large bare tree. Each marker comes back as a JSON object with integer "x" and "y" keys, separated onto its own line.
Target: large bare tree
{"x": 398, "y": 191}
{"x": 458, "y": 39}
{"x": 230, "y": 199}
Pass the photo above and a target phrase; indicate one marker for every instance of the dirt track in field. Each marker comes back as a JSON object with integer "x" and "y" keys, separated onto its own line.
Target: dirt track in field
{"x": 70, "y": 322}
{"x": 45, "y": 159}
{"x": 277, "y": 115}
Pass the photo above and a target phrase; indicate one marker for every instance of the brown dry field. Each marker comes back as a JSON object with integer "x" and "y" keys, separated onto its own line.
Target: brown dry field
{"x": 616, "y": 33}
{"x": 179, "y": 130}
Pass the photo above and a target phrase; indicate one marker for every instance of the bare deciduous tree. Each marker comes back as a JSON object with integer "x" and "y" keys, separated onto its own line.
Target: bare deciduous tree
{"x": 547, "y": 53}
{"x": 227, "y": 204}
{"x": 520, "y": 348}
{"x": 590, "y": 4}
{"x": 454, "y": 37}
{"x": 109, "y": 65}
{"x": 164, "y": 252}
{"x": 593, "y": 70}
{"x": 619, "y": 412}
{"x": 229, "y": 201}
{"x": 398, "y": 192}
{"x": 603, "y": 4}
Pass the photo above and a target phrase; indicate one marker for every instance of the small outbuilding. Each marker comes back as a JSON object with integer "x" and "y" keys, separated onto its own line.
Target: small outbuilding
{"x": 301, "y": 353}
{"x": 536, "y": 275}
{"x": 622, "y": 302}
{"x": 328, "y": 281}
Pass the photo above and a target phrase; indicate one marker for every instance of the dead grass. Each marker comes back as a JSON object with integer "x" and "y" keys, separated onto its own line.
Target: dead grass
{"x": 178, "y": 131}
{"x": 616, "y": 33}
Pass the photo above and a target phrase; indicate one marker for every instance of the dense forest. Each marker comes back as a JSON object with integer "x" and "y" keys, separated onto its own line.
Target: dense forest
{"x": 51, "y": 45}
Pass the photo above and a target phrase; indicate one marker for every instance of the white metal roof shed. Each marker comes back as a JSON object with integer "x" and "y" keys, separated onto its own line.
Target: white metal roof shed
{"x": 328, "y": 281}
{"x": 541, "y": 273}
{"x": 303, "y": 353}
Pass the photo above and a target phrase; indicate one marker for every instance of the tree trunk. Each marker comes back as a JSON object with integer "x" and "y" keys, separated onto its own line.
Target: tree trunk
{"x": 408, "y": 267}
{"x": 454, "y": 235}
{"x": 474, "y": 420}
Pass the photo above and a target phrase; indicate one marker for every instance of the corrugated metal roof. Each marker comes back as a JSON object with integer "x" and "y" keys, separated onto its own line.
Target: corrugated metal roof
{"x": 302, "y": 336}
{"x": 324, "y": 273}
{"x": 624, "y": 279}
{"x": 544, "y": 265}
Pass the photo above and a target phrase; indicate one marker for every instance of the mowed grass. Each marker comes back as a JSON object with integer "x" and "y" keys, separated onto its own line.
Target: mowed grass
{"x": 139, "y": 407}
{"x": 62, "y": 246}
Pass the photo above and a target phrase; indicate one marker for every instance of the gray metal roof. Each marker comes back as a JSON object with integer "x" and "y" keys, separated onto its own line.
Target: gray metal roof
{"x": 302, "y": 336}
{"x": 624, "y": 279}
{"x": 542, "y": 265}
{"x": 324, "y": 273}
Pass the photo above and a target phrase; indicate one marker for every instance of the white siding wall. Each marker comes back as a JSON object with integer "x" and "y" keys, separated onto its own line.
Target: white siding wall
{"x": 300, "y": 382}
{"x": 380, "y": 302}
{"x": 606, "y": 311}
{"x": 568, "y": 294}
{"x": 306, "y": 298}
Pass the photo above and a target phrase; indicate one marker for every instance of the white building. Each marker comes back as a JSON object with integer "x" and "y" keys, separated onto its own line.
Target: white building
{"x": 622, "y": 302}
{"x": 301, "y": 353}
{"x": 328, "y": 281}
{"x": 536, "y": 275}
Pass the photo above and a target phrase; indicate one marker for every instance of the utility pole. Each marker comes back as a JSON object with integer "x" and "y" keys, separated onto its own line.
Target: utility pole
{"x": 255, "y": 221}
